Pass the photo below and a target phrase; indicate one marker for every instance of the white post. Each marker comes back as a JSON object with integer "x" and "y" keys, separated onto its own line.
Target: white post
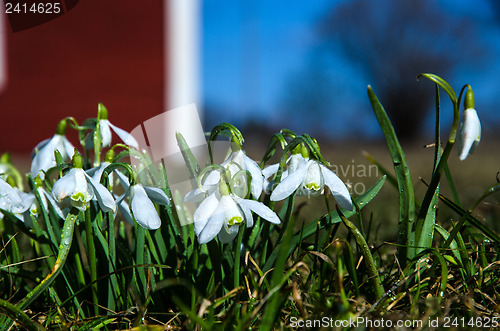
{"x": 182, "y": 23}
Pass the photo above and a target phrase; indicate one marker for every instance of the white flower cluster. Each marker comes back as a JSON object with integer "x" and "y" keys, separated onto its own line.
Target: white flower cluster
{"x": 78, "y": 188}
{"x": 224, "y": 207}
{"x": 223, "y": 194}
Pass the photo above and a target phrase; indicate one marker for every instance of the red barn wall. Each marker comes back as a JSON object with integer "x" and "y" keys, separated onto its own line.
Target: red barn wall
{"x": 100, "y": 51}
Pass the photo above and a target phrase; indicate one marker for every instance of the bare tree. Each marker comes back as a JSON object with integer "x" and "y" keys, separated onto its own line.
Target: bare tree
{"x": 393, "y": 41}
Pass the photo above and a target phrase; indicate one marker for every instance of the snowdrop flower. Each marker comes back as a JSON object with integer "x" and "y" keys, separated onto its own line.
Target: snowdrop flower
{"x": 309, "y": 177}
{"x": 76, "y": 188}
{"x": 96, "y": 172}
{"x": 44, "y": 158}
{"x": 140, "y": 204}
{"x": 222, "y": 213}
{"x": 46, "y": 199}
{"x": 236, "y": 162}
{"x": 469, "y": 129}
{"x": 32, "y": 208}
{"x": 28, "y": 199}
{"x": 10, "y": 199}
{"x": 105, "y": 127}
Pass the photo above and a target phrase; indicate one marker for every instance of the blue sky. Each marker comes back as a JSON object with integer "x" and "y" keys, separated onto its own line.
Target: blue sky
{"x": 253, "y": 45}
{"x": 251, "y": 49}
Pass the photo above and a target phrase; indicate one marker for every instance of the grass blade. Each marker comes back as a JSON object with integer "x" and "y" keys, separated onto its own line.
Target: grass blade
{"x": 406, "y": 234}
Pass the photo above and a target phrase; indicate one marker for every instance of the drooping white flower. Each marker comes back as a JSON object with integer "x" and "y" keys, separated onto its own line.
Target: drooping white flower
{"x": 46, "y": 199}
{"x": 10, "y": 199}
{"x": 44, "y": 158}
{"x": 309, "y": 177}
{"x": 222, "y": 214}
{"x": 469, "y": 133}
{"x": 77, "y": 189}
{"x": 96, "y": 172}
{"x": 105, "y": 127}
{"x": 469, "y": 128}
{"x": 143, "y": 208}
{"x": 105, "y": 131}
{"x": 140, "y": 204}
{"x": 236, "y": 162}
{"x": 32, "y": 208}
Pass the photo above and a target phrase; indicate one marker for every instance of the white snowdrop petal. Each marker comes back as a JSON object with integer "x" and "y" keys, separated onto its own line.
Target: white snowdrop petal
{"x": 40, "y": 146}
{"x": 227, "y": 234}
{"x": 53, "y": 203}
{"x": 65, "y": 186}
{"x": 289, "y": 184}
{"x": 257, "y": 183}
{"x": 126, "y": 137}
{"x": 195, "y": 195}
{"x": 82, "y": 185}
{"x": 211, "y": 179}
{"x": 247, "y": 212}
{"x": 105, "y": 132}
{"x": 157, "y": 195}
{"x": 44, "y": 159}
{"x": 213, "y": 226}
{"x": 468, "y": 133}
{"x": 125, "y": 211}
{"x": 96, "y": 172}
{"x": 123, "y": 180}
{"x": 204, "y": 212}
{"x": 28, "y": 199}
{"x": 104, "y": 197}
{"x": 313, "y": 180}
{"x": 143, "y": 209}
{"x": 338, "y": 188}
{"x": 260, "y": 209}
{"x": 296, "y": 161}
{"x": 270, "y": 170}
{"x": 7, "y": 192}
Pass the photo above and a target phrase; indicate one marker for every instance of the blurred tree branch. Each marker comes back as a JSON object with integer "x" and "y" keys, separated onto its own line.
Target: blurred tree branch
{"x": 393, "y": 41}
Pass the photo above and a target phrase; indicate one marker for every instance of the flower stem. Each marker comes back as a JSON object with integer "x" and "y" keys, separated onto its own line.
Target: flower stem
{"x": 92, "y": 260}
{"x": 18, "y": 315}
{"x": 367, "y": 256}
{"x": 237, "y": 257}
{"x": 64, "y": 246}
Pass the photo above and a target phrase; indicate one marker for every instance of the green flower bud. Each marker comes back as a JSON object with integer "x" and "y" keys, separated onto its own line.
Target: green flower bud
{"x": 304, "y": 151}
{"x": 38, "y": 181}
{"x": 61, "y": 127}
{"x": 5, "y": 158}
{"x": 77, "y": 160}
{"x": 223, "y": 188}
{"x": 296, "y": 150}
{"x": 469, "y": 99}
{"x": 110, "y": 156}
{"x": 102, "y": 112}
